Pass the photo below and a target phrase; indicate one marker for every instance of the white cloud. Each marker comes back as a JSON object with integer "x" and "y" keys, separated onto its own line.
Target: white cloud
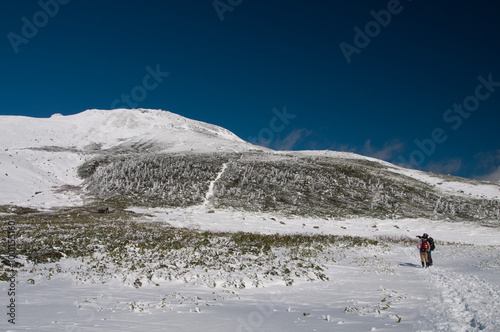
{"x": 488, "y": 166}
{"x": 290, "y": 140}
{"x": 494, "y": 176}
{"x": 445, "y": 166}
{"x": 387, "y": 152}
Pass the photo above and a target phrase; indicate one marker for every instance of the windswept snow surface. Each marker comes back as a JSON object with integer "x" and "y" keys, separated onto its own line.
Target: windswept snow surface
{"x": 110, "y": 128}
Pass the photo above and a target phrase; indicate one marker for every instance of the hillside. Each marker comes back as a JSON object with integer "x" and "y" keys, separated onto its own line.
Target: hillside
{"x": 209, "y": 233}
{"x": 40, "y": 157}
{"x": 124, "y": 158}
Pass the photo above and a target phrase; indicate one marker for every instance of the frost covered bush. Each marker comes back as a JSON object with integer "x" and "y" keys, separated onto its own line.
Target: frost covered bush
{"x": 338, "y": 188}
{"x": 301, "y": 186}
{"x": 152, "y": 180}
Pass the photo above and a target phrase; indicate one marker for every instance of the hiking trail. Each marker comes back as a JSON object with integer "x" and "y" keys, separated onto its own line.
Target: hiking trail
{"x": 210, "y": 191}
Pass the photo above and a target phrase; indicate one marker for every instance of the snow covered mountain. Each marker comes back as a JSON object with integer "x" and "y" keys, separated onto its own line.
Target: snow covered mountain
{"x": 39, "y": 157}
{"x": 210, "y": 233}
{"x": 155, "y": 158}
{"x": 119, "y": 128}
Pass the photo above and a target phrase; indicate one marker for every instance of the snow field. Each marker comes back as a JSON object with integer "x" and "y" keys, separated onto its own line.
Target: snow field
{"x": 369, "y": 287}
{"x": 356, "y": 298}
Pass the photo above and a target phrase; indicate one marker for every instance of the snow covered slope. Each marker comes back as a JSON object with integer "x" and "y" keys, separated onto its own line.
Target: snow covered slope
{"x": 447, "y": 184}
{"x": 121, "y": 127}
{"x": 199, "y": 278}
{"x": 39, "y": 157}
{"x": 215, "y": 234}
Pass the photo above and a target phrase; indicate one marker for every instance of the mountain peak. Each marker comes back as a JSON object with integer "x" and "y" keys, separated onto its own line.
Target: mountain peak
{"x": 120, "y": 128}
{"x": 39, "y": 156}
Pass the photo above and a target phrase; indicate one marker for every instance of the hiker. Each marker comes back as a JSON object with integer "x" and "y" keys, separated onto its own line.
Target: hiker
{"x": 425, "y": 248}
{"x": 431, "y": 243}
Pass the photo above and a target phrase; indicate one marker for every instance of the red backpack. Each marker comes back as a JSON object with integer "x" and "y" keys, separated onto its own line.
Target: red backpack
{"x": 425, "y": 246}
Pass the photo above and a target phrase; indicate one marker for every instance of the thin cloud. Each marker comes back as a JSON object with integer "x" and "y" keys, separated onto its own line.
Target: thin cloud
{"x": 445, "y": 166}
{"x": 488, "y": 166}
{"x": 387, "y": 152}
{"x": 491, "y": 177}
{"x": 291, "y": 140}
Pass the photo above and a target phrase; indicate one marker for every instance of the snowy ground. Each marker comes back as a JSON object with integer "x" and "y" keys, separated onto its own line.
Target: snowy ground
{"x": 370, "y": 288}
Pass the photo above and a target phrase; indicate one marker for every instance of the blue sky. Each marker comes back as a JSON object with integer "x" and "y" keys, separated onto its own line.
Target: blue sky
{"x": 411, "y": 82}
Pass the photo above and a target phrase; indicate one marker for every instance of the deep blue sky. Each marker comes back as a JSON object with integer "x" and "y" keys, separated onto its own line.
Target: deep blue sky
{"x": 278, "y": 55}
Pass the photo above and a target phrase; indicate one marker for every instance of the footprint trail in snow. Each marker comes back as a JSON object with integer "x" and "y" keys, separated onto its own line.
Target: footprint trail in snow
{"x": 464, "y": 302}
{"x": 210, "y": 191}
